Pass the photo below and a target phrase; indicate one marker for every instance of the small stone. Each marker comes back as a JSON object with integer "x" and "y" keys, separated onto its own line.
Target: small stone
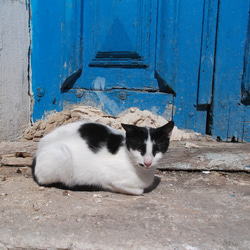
{"x": 36, "y": 139}
{"x": 19, "y": 171}
{"x": 132, "y": 110}
{"x": 191, "y": 145}
{"x": 65, "y": 193}
{"x": 35, "y": 207}
{"x": 97, "y": 196}
{"x": 206, "y": 172}
{"x": 78, "y": 220}
{"x": 2, "y": 178}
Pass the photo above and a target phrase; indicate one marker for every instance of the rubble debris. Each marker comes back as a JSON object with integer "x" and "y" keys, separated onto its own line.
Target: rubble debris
{"x": 130, "y": 116}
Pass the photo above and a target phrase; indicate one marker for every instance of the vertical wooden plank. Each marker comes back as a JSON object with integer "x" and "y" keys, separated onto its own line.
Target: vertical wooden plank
{"x": 246, "y": 87}
{"x": 246, "y": 74}
{"x": 178, "y": 58}
{"x": 46, "y": 27}
{"x": 56, "y": 52}
{"x": 228, "y": 111}
{"x": 246, "y": 128}
{"x": 207, "y": 52}
{"x": 71, "y": 38}
{"x": 167, "y": 39}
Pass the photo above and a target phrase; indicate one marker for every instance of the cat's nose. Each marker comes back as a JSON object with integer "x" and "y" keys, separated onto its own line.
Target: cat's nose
{"x": 148, "y": 161}
{"x": 147, "y": 164}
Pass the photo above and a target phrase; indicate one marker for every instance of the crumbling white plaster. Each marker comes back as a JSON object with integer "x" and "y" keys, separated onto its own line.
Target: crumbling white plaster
{"x": 14, "y": 48}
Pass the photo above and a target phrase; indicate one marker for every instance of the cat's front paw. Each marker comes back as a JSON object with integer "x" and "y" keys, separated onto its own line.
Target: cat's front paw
{"x": 135, "y": 191}
{"x": 127, "y": 190}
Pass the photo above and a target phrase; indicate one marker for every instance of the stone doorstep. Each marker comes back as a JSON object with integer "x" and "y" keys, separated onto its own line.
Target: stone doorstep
{"x": 207, "y": 156}
{"x": 182, "y": 155}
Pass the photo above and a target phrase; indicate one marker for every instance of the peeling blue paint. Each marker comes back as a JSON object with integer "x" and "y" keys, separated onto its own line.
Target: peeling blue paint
{"x": 186, "y": 60}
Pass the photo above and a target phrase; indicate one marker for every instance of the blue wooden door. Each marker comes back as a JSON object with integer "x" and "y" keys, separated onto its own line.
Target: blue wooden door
{"x": 99, "y": 53}
{"x": 186, "y": 59}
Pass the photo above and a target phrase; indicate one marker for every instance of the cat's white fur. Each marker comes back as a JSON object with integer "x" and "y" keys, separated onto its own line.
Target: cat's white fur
{"x": 63, "y": 156}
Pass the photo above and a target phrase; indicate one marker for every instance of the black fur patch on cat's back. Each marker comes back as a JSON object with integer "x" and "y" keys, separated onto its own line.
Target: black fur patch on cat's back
{"x": 98, "y": 136}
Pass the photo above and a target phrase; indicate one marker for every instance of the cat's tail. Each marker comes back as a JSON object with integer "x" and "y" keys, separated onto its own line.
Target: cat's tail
{"x": 33, "y": 166}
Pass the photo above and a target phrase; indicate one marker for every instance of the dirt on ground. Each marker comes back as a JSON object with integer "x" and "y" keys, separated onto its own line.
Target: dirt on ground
{"x": 187, "y": 210}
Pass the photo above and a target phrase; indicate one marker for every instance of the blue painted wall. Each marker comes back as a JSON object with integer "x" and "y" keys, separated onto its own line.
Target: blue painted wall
{"x": 186, "y": 60}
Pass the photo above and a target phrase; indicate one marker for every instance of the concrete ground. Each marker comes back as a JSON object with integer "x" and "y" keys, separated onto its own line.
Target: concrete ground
{"x": 190, "y": 210}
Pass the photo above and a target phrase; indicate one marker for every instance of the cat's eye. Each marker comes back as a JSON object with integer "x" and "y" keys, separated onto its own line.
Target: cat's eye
{"x": 139, "y": 150}
{"x": 156, "y": 150}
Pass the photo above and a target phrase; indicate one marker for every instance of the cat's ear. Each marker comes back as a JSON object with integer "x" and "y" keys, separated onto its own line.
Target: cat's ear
{"x": 128, "y": 127}
{"x": 167, "y": 128}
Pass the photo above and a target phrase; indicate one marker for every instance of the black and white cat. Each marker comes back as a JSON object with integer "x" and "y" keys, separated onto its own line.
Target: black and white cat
{"x": 86, "y": 154}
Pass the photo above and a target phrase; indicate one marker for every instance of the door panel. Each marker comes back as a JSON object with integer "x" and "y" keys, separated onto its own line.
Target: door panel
{"x": 45, "y": 56}
{"x": 229, "y": 112}
{"x": 70, "y": 46}
{"x": 117, "y": 43}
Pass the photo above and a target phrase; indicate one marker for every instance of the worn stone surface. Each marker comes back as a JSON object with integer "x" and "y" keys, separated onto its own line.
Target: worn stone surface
{"x": 188, "y": 210}
{"x": 207, "y": 155}
{"x": 182, "y": 155}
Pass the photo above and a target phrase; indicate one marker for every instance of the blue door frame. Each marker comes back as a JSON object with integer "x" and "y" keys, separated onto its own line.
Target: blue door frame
{"x": 186, "y": 59}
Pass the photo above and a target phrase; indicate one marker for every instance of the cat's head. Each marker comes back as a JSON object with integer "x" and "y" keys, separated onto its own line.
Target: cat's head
{"x": 147, "y": 145}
